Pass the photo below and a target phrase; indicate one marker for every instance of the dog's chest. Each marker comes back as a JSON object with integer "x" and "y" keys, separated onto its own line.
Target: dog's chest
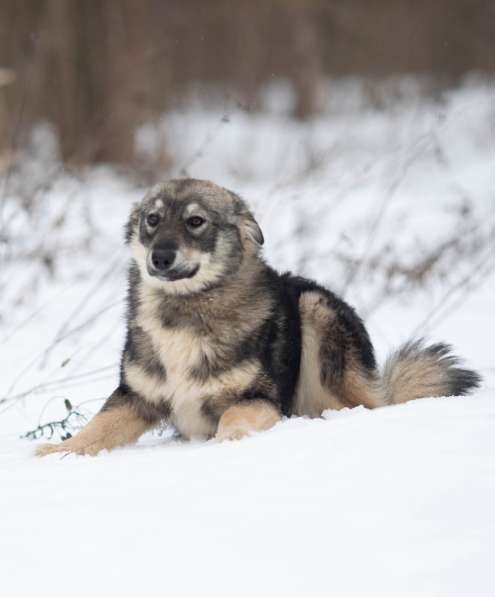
{"x": 183, "y": 354}
{"x": 187, "y": 355}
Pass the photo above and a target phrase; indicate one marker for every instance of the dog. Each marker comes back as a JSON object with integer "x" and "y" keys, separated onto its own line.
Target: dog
{"x": 220, "y": 345}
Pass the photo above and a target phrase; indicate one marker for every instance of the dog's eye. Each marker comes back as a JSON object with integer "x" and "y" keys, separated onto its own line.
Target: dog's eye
{"x": 152, "y": 220}
{"x": 195, "y": 221}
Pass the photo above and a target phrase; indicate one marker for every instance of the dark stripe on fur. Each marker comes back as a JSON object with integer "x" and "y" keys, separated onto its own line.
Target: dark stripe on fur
{"x": 149, "y": 412}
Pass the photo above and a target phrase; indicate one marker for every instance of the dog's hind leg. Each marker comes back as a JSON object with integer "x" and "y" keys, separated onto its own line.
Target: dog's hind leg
{"x": 246, "y": 417}
{"x": 117, "y": 424}
{"x": 337, "y": 364}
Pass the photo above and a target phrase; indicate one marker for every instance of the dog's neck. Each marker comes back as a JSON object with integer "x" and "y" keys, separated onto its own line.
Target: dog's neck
{"x": 238, "y": 291}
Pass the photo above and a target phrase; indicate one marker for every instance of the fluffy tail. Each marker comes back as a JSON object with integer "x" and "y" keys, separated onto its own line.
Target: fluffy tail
{"x": 419, "y": 371}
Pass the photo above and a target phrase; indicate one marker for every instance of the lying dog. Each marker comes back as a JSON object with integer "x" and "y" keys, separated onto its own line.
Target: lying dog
{"x": 220, "y": 345}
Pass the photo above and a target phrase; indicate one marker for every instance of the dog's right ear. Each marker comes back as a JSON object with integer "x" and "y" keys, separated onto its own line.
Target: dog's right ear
{"x": 133, "y": 222}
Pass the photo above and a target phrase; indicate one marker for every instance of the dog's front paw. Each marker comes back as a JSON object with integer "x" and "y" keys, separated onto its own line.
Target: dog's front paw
{"x": 70, "y": 447}
{"x": 245, "y": 418}
{"x": 45, "y": 449}
{"x": 230, "y": 432}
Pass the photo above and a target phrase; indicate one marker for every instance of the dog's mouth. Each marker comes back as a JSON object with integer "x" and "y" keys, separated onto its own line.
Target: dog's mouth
{"x": 174, "y": 274}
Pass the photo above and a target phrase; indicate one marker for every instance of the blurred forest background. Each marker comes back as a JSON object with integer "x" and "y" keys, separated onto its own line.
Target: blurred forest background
{"x": 96, "y": 71}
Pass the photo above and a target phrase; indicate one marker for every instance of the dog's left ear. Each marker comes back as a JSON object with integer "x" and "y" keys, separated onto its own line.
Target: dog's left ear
{"x": 252, "y": 229}
{"x": 249, "y": 225}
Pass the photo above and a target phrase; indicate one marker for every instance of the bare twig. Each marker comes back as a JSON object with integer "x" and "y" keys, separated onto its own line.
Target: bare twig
{"x": 211, "y": 135}
{"x": 484, "y": 267}
{"x": 380, "y": 214}
{"x": 64, "y": 426}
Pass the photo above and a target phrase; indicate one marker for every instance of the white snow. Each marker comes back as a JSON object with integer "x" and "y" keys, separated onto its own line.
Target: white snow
{"x": 392, "y": 502}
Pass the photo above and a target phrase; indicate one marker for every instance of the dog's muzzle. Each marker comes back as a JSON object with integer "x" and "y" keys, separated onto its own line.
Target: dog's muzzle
{"x": 161, "y": 262}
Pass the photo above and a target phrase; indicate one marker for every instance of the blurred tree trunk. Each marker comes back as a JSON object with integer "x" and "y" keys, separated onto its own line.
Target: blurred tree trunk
{"x": 306, "y": 66}
{"x": 60, "y": 50}
{"x": 126, "y": 81}
{"x": 7, "y": 78}
{"x": 249, "y": 52}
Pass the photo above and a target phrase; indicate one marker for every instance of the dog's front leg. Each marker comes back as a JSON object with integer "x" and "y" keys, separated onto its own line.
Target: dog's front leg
{"x": 117, "y": 424}
{"x": 246, "y": 417}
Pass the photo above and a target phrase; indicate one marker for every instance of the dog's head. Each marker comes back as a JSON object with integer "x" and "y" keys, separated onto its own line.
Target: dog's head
{"x": 187, "y": 235}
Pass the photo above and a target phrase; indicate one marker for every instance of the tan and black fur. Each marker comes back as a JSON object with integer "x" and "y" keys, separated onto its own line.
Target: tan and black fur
{"x": 220, "y": 345}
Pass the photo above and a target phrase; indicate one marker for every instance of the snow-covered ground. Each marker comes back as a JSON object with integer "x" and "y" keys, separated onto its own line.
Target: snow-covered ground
{"x": 394, "y": 208}
{"x": 391, "y": 502}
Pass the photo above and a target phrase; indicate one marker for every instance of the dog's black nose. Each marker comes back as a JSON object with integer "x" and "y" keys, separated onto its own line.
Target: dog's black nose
{"x": 162, "y": 259}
